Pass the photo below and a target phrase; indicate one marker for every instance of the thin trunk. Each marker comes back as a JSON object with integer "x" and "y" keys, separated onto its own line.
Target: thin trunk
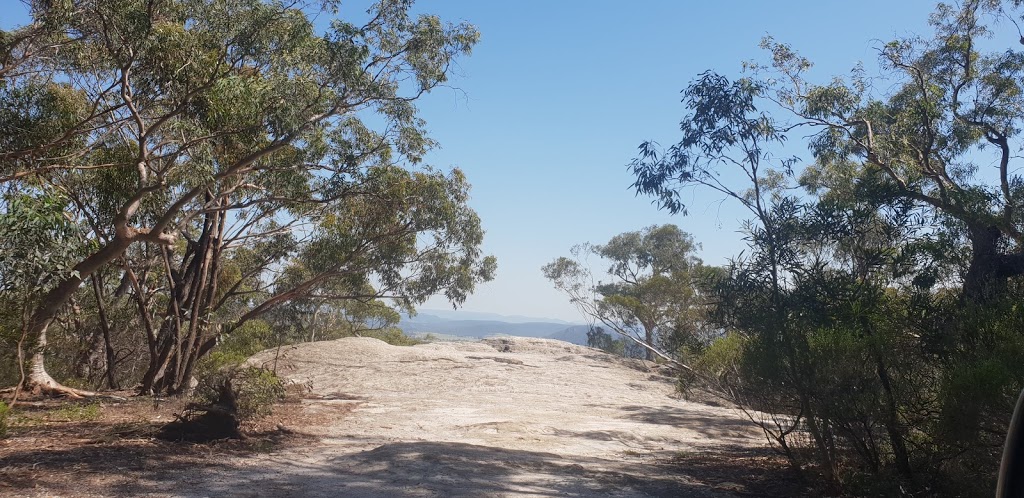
{"x": 817, "y": 434}
{"x": 649, "y": 337}
{"x": 82, "y": 366}
{"x": 108, "y": 348}
{"x": 312, "y": 325}
{"x": 892, "y": 423}
{"x": 155, "y": 378}
{"x": 800, "y": 372}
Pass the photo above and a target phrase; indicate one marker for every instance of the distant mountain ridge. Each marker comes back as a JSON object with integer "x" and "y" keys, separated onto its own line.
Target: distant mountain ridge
{"x": 576, "y": 334}
{"x": 482, "y": 325}
{"x": 462, "y": 315}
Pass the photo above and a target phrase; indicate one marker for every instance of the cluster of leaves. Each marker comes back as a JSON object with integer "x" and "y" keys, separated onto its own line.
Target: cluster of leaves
{"x": 39, "y": 243}
{"x": 253, "y": 390}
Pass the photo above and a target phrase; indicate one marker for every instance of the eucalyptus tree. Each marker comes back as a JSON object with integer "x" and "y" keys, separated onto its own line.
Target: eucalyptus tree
{"x": 39, "y": 246}
{"x": 725, "y": 130}
{"x": 911, "y": 195}
{"x": 944, "y": 137}
{"x": 649, "y": 297}
{"x": 194, "y": 129}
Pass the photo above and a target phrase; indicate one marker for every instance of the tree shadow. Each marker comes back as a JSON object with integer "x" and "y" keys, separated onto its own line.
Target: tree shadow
{"x": 676, "y": 416}
{"x": 112, "y": 457}
{"x": 106, "y": 458}
{"x": 627, "y": 438}
{"x": 403, "y": 469}
{"x": 415, "y": 469}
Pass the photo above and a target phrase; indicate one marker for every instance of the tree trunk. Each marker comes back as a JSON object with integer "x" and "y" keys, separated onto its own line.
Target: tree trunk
{"x": 84, "y": 361}
{"x": 990, "y": 269}
{"x": 827, "y": 463}
{"x": 192, "y": 297}
{"x": 649, "y": 339}
{"x": 982, "y": 283}
{"x": 38, "y": 380}
{"x": 108, "y": 348}
{"x": 892, "y": 421}
{"x": 894, "y": 429}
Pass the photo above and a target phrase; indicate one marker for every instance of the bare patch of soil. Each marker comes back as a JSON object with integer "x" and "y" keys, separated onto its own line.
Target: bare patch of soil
{"x": 58, "y": 447}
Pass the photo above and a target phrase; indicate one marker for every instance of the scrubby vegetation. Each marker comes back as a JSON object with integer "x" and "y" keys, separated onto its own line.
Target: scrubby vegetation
{"x": 4, "y": 410}
{"x": 872, "y": 326}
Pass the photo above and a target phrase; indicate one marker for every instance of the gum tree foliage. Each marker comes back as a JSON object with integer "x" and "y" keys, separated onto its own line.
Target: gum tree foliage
{"x": 649, "y": 295}
{"x": 221, "y": 159}
{"x": 942, "y": 132}
{"x": 39, "y": 245}
{"x": 874, "y": 320}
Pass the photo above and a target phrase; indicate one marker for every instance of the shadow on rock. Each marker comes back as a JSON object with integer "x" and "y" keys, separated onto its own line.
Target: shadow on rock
{"x": 460, "y": 470}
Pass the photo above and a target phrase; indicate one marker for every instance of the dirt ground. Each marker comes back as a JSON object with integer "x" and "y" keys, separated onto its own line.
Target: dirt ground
{"x": 502, "y": 417}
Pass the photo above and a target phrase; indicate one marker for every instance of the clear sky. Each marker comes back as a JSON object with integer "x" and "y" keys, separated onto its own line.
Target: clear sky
{"x": 558, "y": 94}
{"x": 552, "y": 104}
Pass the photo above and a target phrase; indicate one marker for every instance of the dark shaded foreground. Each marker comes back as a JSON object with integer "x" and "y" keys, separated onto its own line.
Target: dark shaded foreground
{"x": 437, "y": 469}
{"x": 124, "y": 460}
{"x": 428, "y": 421}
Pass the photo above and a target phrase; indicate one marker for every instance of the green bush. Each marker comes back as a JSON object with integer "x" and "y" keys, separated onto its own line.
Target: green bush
{"x": 4, "y": 411}
{"x": 721, "y": 357}
{"x": 251, "y": 338}
{"x": 717, "y": 366}
{"x": 393, "y": 336}
{"x": 256, "y": 391}
{"x": 249, "y": 392}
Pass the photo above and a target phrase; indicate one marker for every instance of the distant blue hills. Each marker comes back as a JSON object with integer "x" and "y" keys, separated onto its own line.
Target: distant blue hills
{"x": 475, "y": 325}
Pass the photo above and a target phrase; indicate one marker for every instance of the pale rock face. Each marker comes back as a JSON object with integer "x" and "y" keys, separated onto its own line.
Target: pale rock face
{"x": 500, "y": 417}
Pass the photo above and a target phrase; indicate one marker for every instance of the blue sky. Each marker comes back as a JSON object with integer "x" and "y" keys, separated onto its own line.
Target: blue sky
{"x": 550, "y": 108}
{"x": 557, "y": 96}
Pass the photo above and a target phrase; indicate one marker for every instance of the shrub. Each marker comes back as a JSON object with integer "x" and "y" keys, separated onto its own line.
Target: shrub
{"x": 252, "y": 337}
{"x": 4, "y": 411}
{"x": 256, "y": 391}
{"x": 393, "y": 336}
{"x": 246, "y": 392}
{"x": 721, "y": 358}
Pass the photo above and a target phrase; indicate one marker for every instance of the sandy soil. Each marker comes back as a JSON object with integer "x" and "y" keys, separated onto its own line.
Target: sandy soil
{"x": 503, "y": 417}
